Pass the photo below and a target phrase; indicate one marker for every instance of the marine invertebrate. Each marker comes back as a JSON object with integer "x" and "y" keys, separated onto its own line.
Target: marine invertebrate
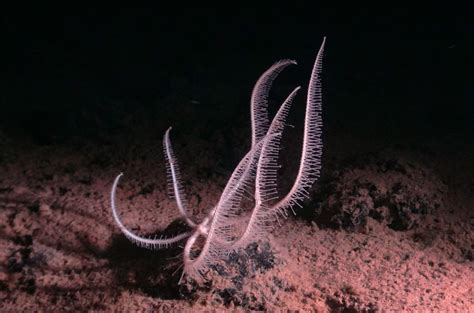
{"x": 257, "y": 170}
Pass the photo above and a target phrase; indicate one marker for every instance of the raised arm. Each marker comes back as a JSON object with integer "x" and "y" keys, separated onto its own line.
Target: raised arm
{"x": 176, "y": 190}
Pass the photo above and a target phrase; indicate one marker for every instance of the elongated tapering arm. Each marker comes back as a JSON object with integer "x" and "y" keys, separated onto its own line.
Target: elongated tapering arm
{"x": 259, "y": 100}
{"x": 265, "y": 185}
{"x": 310, "y": 162}
{"x": 151, "y": 243}
{"x": 174, "y": 179}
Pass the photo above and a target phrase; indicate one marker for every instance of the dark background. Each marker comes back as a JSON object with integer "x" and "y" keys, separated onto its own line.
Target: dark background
{"x": 393, "y": 70}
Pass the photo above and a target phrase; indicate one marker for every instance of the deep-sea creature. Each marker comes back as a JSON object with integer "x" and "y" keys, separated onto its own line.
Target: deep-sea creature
{"x": 217, "y": 234}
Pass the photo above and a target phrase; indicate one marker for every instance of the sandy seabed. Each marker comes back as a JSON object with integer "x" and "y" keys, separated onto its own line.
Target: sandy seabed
{"x": 394, "y": 234}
